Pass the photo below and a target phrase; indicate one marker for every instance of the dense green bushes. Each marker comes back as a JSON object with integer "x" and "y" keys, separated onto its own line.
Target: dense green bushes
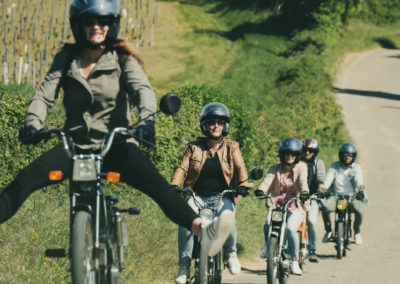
{"x": 14, "y": 101}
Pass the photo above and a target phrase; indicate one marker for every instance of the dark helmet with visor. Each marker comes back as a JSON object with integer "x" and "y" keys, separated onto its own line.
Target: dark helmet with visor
{"x": 347, "y": 149}
{"x": 214, "y": 110}
{"x": 290, "y": 145}
{"x": 81, "y": 9}
{"x": 312, "y": 145}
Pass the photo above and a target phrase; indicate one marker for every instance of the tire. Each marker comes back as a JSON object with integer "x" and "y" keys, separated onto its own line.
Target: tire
{"x": 340, "y": 240}
{"x": 301, "y": 257}
{"x": 283, "y": 279}
{"x": 82, "y": 249}
{"x": 203, "y": 267}
{"x": 272, "y": 260}
{"x": 346, "y": 234}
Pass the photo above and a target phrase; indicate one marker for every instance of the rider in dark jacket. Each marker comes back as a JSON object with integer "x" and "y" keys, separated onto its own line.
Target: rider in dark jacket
{"x": 315, "y": 178}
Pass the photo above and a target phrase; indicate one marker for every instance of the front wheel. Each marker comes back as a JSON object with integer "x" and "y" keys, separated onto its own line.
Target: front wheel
{"x": 203, "y": 266}
{"x": 82, "y": 265}
{"x": 273, "y": 260}
{"x": 301, "y": 250}
{"x": 340, "y": 240}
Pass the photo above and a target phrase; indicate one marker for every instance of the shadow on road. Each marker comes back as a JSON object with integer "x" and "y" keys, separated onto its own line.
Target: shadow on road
{"x": 364, "y": 93}
{"x": 255, "y": 271}
{"x": 325, "y": 256}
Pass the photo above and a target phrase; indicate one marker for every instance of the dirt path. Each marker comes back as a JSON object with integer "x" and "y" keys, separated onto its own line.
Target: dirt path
{"x": 368, "y": 88}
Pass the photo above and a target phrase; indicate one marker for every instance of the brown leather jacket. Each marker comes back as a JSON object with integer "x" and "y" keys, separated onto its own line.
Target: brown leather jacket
{"x": 196, "y": 154}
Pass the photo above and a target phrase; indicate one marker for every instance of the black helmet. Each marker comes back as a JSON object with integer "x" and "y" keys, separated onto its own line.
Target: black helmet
{"x": 290, "y": 144}
{"x": 82, "y": 8}
{"x": 350, "y": 149}
{"x": 215, "y": 110}
{"x": 310, "y": 143}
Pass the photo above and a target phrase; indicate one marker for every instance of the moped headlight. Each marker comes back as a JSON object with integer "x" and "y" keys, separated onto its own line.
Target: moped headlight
{"x": 277, "y": 216}
{"x": 84, "y": 170}
{"x": 341, "y": 204}
{"x": 207, "y": 214}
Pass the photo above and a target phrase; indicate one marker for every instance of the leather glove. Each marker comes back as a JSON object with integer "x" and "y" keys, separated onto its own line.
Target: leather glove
{"x": 243, "y": 191}
{"x": 258, "y": 192}
{"x": 304, "y": 196}
{"x": 175, "y": 188}
{"x": 31, "y": 136}
{"x": 360, "y": 195}
{"x": 147, "y": 131}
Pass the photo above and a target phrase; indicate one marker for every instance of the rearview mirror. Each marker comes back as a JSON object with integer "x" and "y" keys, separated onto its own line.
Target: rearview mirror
{"x": 256, "y": 173}
{"x": 170, "y": 103}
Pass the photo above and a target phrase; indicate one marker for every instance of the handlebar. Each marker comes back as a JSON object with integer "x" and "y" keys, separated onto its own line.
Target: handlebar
{"x": 220, "y": 195}
{"x": 106, "y": 145}
{"x": 274, "y": 202}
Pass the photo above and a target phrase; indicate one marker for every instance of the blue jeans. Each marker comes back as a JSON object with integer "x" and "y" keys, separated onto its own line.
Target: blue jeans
{"x": 294, "y": 220}
{"x": 185, "y": 237}
{"x": 312, "y": 219}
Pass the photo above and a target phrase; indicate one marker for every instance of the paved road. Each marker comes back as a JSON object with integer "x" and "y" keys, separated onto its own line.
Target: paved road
{"x": 368, "y": 88}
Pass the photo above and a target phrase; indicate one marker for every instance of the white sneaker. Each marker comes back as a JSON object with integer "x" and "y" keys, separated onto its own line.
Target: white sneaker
{"x": 182, "y": 276}
{"x": 295, "y": 268}
{"x": 233, "y": 264}
{"x": 264, "y": 251}
{"x": 215, "y": 234}
{"x": 327, "y": 237}
{"x": 358, "y": 239}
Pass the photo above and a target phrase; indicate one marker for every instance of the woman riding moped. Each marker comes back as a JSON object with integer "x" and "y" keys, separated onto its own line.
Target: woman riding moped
{"x": 211, "y": 165}
{"x": 283, "y": 182}
{"x": 100, "y": 75}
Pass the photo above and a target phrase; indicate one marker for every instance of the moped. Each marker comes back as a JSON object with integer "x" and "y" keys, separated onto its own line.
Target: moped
{"x": 208, "y": 269}
{"x": 97, "y": 233}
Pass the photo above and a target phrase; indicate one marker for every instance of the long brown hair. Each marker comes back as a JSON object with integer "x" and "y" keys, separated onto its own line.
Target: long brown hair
{"x": 125, "y": 49}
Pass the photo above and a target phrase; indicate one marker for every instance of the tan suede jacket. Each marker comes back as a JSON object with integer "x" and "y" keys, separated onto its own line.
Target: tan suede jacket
{"x": 195, "y": 156}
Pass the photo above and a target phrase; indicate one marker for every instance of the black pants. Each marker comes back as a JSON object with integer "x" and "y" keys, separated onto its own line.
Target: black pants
{"x": 127, "y": 159}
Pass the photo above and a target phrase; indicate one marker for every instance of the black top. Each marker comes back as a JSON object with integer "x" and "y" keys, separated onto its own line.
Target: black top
{"x": 211, "y": 180}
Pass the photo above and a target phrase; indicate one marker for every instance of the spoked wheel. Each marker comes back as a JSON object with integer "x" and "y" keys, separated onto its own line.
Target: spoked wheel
{"x": 272, "y": 260}
{"x": 82, "y": 249}
{"x": 340, "y": 240}
{"x": 346, "y": 234}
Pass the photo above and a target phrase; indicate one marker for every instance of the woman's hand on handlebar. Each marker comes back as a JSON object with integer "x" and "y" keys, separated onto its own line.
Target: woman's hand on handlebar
{"x": 243, "y": 191}
{"x": 258, "y": 193}
{"x": 31, "y": 136}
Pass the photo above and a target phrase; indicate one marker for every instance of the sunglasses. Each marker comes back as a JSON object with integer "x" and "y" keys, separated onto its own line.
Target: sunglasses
{"x": 90, "y": 21}
{"x": 291, "y": 153}
{"x": 305, "y": 150}
{"x": 348, "y": 154}
{"x": 216, "y": 121}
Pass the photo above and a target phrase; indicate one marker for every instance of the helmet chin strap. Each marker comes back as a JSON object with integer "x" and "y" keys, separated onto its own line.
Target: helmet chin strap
{"x": 99, "y": 46}
{"x": 347, "y": 164}
{"x": 215, "y": 138}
